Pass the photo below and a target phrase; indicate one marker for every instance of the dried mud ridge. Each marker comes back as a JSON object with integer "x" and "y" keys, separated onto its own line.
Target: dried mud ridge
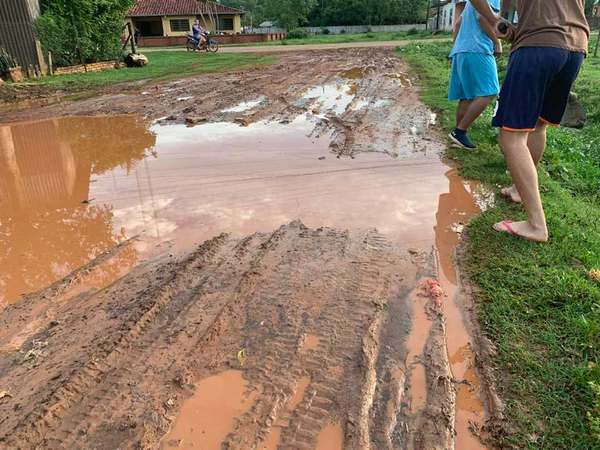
{"x": 110, "y": 369}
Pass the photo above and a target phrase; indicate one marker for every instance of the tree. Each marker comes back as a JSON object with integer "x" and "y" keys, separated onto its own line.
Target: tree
{"x": 288, "y": 13}
{"x": 254, "y": 10}
{"x": 369, "y": 12}
{"x": 82, "y": 30}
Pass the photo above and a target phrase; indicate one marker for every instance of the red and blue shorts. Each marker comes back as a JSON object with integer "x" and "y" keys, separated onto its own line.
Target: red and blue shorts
{"x": 537, "y": 87}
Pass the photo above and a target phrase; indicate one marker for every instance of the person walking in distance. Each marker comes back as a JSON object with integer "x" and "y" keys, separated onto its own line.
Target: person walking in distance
{"x": 549, "y": 46}
{"x": 474, "y": 79}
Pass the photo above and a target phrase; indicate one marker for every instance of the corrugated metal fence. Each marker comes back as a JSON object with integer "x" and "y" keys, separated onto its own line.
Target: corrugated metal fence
{"x": 17, "y": 34}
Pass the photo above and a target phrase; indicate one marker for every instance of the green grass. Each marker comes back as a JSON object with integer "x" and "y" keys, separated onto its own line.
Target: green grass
{"x": 339, "y": 39}
{"x": 538, "y": 302}
{"x": 363, "y": 37}
{"x": 163, "y": 65}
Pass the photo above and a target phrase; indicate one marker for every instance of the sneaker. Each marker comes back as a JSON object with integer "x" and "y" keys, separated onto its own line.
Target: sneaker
{"x": 461, "y": 139}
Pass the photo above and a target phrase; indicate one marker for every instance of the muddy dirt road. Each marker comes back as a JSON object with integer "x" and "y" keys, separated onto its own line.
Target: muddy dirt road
{"x": 251, "y": 260}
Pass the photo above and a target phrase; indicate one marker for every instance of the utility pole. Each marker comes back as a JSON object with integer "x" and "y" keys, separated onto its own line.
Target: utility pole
{"x": 427, "y": 14}
{"x": 439, "y": 13}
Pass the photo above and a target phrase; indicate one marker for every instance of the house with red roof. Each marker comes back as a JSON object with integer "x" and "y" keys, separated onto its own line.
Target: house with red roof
{"x": 174, "y": 18}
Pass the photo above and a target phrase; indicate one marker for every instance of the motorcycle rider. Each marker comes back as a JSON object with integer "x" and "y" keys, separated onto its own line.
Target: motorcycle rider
{"x": 200, "y": 34}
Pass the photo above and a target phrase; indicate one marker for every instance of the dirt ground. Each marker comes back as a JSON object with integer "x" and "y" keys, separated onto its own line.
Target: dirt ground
{"x": 260, "y": 259}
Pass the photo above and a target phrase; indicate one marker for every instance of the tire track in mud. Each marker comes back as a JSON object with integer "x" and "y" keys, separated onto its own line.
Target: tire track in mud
{"x": 143, "y": 341}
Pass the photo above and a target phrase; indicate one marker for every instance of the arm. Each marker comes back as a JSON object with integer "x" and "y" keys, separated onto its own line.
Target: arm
{"x": 483, "y": 8}
{"x": 491, "y": 33}
{"x": 460, "y": 7}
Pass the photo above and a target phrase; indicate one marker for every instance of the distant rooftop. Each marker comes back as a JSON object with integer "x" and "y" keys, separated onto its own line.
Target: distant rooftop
{"x": 145, "y": 8}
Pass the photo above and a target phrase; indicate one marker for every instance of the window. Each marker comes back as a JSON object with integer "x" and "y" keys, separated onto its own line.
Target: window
{"x": 180, "y": 25}
{"x": 226, "y": 23}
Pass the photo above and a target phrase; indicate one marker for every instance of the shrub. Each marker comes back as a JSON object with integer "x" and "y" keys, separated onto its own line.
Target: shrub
{"x": 297, "y": 33}
{"x": 76, "y": 30}
{"x": 370, "y": 35}
{"x": 325, "y": 30}
{"x": 342, "y": 31}
{"x": 412, "y": 31}
{"x": 6, "y": 61}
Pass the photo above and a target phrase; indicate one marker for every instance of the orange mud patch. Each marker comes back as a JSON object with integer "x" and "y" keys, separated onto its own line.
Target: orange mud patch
{"x": 331, "y": 438}
{"x": 310, "y": 343}
{"x": 205, "y": 419}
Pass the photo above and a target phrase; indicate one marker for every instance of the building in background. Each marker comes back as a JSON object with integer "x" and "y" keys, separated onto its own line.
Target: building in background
{"x": 17, "y": 34}
{"x": 174, "y": 18}
{"x": 447, "y": 11}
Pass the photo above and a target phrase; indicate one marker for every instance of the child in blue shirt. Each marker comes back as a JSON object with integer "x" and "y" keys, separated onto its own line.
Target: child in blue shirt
{"x": 474, "y": 80}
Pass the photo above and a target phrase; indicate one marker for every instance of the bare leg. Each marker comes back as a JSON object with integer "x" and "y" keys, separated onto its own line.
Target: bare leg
{"x": 476, "y": 107}
{"x": 537, "y": 145}
{"x": 525, "y": 176}
{"x": 463, "y": 106}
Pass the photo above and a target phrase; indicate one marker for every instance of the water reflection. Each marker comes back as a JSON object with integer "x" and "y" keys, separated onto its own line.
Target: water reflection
{"x": 47, "y": 227}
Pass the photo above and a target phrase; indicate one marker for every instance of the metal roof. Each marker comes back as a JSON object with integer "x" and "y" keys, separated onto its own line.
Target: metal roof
{"x": 144, "y": 8}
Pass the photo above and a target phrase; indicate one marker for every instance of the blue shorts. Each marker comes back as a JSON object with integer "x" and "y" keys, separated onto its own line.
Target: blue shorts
{"x": 537, "y": 86}
{"x": 473, "y": 75}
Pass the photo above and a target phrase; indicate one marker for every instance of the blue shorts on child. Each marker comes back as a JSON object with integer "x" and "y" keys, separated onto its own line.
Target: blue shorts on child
{"x": 473, "y": 75}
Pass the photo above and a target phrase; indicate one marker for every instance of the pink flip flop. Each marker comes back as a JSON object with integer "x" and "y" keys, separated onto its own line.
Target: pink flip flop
{"x": 507, "y": 228}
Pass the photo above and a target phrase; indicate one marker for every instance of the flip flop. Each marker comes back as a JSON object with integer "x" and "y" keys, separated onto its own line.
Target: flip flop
{"x": 507, "y": 228}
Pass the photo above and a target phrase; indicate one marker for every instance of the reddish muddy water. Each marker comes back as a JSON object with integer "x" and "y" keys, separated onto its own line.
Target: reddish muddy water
{"x": 101, "y": 181}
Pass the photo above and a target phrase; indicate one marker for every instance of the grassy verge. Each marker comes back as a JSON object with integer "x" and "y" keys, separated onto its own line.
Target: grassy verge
{"x": 539, "y": 303}
{"x": 163, "y": 66}
{"x": 362, "y": 37}
{"x": 337, "y": 39}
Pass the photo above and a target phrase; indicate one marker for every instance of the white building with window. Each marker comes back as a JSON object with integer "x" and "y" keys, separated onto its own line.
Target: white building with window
{"x": 447, "y": 9}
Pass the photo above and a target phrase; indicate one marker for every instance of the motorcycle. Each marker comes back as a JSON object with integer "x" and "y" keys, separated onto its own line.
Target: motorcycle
{"x": 209, "y": 44}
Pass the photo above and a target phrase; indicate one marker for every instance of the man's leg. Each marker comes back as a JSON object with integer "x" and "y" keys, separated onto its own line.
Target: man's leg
{"x": 473, "y": 111}
{"x": 536, "y": 142}
{"x": 463, "y": 106}
{"x": 525, "y": 177}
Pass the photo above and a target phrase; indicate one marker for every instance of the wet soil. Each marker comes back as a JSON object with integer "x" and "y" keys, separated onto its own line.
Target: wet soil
{"x": 270, "y": 267}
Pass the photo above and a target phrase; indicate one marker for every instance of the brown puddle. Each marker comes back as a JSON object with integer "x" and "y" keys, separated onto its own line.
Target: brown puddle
{"x": 311, "y": 342}
{"x": 356, "y": 73}
{"x": 458, "y": 206}
{"x": 205, "y": 419}
{"x": 331, "y": 438}
{"x": 103, "y": 180}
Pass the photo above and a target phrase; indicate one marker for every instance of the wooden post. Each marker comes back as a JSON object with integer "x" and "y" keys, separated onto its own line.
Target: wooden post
{"x": 132, "y": 37}
{"x": 427, "y": 16}
{"x": 50, "y": 67}
{"x": 439, "y": 13}
{"x": 597, "y": 45}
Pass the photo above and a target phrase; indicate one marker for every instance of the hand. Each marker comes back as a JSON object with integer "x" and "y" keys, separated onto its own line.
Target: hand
{"x": 505, "y": 30}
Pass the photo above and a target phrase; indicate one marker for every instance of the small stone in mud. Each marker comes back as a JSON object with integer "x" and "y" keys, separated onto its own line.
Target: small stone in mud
{"x": 171, "y": 117}
{"x": 321, "y": 158}
{"x": 188, "y": 110}
{"x": 196, "y": 119}
{"x": 242, "y": 121}
{"x": 54, "y": 323}
{"x": 413, "y": 251}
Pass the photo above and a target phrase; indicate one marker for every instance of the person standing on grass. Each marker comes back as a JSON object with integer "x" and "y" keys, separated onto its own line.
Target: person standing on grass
{"x": 548, "y": 49}
{"x": 474, "y": 80}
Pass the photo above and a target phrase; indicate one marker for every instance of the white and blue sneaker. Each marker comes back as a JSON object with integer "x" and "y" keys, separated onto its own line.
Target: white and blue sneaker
{"x": 460, "y": 138}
